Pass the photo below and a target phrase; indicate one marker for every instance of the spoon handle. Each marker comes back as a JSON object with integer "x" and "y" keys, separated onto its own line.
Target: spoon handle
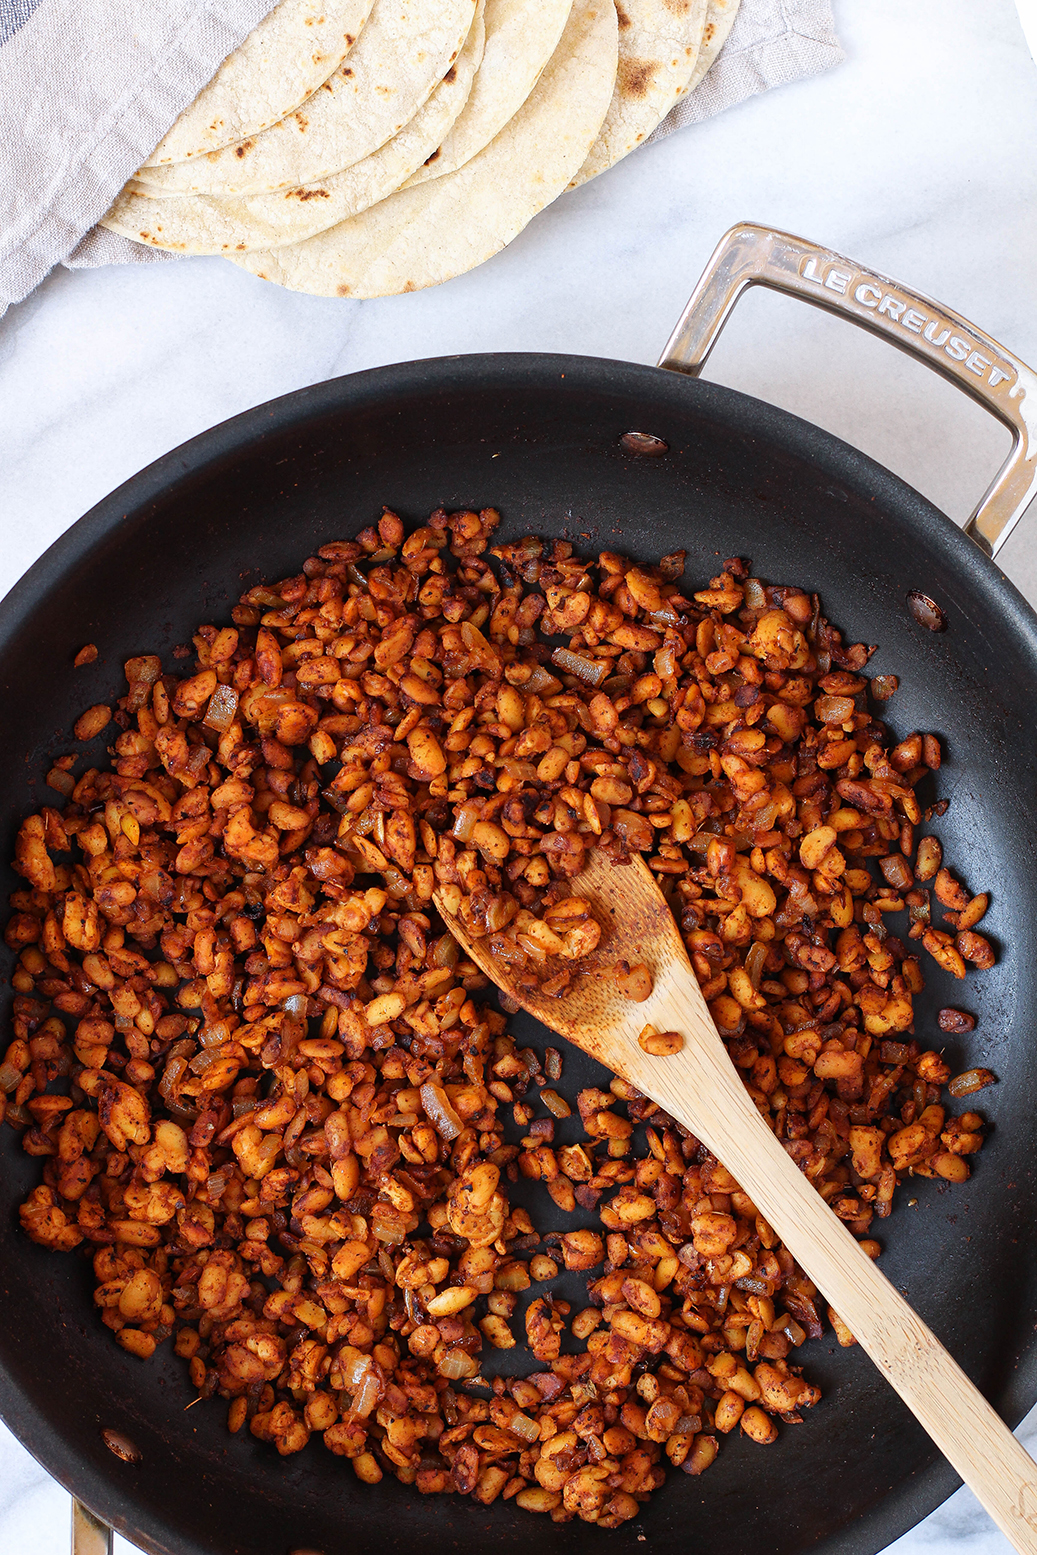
{"x": 701, "y": 1089}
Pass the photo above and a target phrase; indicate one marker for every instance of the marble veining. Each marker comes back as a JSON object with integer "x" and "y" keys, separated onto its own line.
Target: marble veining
{"x": 915, "y": 158}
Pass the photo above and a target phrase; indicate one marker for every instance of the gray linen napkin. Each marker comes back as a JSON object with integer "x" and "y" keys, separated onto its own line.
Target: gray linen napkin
{"x": 86, "y": 93}
{"x": 772, "y": 43}
{"x": 88, "y": 90}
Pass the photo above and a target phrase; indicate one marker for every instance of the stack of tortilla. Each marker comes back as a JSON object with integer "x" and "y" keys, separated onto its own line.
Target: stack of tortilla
{"x": 362, "y": 148}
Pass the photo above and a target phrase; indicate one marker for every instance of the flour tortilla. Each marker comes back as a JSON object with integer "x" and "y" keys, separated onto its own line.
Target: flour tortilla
{"x": 281, "y": 62}
{"x": 422, "y": 236}
{"x": 720, "y": 18}
{"x": 659, "y": 43}
{"x": 213, "y": 224}
{"x": 405, "y": 49}
{"x": 521, "y": 36}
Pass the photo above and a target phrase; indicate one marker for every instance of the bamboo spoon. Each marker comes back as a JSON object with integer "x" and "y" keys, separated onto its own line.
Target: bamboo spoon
{"x": 699, "y": 1087}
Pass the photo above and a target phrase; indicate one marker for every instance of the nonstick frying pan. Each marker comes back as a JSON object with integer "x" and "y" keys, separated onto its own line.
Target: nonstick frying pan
{"x": 540, "y": 437}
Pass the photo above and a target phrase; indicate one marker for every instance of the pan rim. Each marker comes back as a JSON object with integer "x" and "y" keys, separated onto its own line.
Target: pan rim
{"x": 192, "y": 459}
{"x": 201, "y": 456}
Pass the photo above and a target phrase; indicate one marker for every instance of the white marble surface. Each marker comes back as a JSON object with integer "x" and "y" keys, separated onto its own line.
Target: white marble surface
{"x": 916, "y": 157}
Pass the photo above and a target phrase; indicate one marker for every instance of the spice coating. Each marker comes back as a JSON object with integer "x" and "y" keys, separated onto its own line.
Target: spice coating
{"x": 268, "y": 1096}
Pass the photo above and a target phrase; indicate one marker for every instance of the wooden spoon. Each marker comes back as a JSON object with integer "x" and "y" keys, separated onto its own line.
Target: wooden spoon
{"x": 700, "y": 1088}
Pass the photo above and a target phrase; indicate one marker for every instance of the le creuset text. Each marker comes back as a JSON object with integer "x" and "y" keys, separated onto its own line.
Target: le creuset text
{"x": 868, "y": 292}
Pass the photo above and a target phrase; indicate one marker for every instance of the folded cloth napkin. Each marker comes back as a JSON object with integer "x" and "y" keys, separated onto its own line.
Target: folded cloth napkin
{"x": 88, "y": 90}
{"x": 772, "y": 43}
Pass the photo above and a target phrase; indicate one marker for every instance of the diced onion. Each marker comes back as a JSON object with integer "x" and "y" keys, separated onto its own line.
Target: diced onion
{"x": 355, "y": 1366}
{"x": 214, "y": 1035}
{"x": 439, "y": 1111}
{"x": 10, "y": 1078}
{"x": 390, "y": 1225}
{"x": 223, "y": 706}
{"x": 457, "y": 1364}
{"x": 523, "y": 1426}
{"x": 465, "y": 818}
{"x": 971, "y": 1081}
{"x": 514, "y": 1276}
{"x": 366, "y": 1399}
{"x": 754, "y": 962}
{"x": 834, "y": 710}
{"x": 542, "y": 682}
{"x": 592, "y": 671}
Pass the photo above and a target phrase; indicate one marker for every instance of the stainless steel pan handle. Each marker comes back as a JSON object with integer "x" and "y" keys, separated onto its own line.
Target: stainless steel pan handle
{"x": 89, "y": 1535}
{"x": 749, "y": 255}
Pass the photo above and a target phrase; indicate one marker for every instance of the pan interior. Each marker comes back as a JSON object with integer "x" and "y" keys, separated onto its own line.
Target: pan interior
{"x": 538, "y": 438}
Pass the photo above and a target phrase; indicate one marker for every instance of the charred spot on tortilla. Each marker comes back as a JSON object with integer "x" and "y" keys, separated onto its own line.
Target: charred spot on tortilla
{"x": 622, "y": 17}
{"x": 386, "y": 245}
{"x": 343, "y": 290}
{"x": 307, "y": 194}
{"x": 278, "y": 65}
{"x": 633, "y": 76}
{"x": 678, "y": 7}
{"x": 451, "y": 74}
{"x": 244, "y": 148}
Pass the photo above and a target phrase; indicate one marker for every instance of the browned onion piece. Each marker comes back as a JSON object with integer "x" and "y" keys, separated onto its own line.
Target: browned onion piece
{"x": 754, "y": 962}
{"x": 514, "y": 1276}
{"x": 439, "y": 1111}
{"x": 834, "y": 710}
{"x": 222, "y": 709}
{"x": 971, "y": 1081}
{"x": 10, "y": 1078}
{"x": 465, "y": 818}
{"x": 457, "y": 1364}
{"x": 523, "y": 1426}
{"x": 367, "y": 1397}
{"x": 591, "y": 671}
{"x": 542, "y": 682}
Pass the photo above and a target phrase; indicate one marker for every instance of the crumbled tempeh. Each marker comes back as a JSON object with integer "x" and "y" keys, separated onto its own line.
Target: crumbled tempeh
{"x": 283, "y": 1138}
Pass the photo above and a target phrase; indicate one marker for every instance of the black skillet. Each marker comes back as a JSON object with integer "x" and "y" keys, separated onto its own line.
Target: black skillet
{"x": 539, "y": 437}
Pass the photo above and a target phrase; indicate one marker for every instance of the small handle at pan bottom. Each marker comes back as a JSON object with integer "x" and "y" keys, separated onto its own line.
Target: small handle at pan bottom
{"x": 751, "y": 255}
{"x": 89, "y": 1535}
